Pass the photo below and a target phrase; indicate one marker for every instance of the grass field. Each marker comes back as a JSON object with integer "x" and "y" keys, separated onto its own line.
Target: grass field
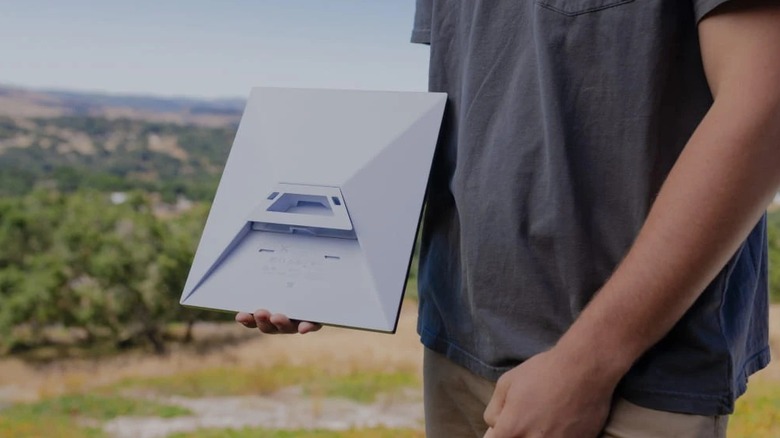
{"x": 337, "y": 383}
{"x": 360, "y": 386}
{"x": 77, "y": 415}
{"x": 333, "y": 383}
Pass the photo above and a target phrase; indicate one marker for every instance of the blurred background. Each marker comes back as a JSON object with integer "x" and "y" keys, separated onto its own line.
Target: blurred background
{"x": 116, "y": 119}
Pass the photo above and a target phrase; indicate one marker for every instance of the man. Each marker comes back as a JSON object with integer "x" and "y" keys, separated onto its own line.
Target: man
{"x": 594, "y": 236}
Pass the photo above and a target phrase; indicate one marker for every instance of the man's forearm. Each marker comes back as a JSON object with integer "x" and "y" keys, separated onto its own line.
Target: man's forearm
{"x": 713, "y": 197}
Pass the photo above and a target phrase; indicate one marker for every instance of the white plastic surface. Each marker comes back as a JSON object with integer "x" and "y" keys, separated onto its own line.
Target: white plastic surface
{"x": 372, "y": 152}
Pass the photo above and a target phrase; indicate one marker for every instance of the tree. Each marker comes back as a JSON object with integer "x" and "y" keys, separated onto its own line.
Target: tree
{"x": 77, "y": 260}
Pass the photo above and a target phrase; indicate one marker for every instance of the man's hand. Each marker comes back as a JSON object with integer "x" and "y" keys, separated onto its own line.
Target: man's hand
{"x": 275, "y": 323}
{"x": 550, "y": 395}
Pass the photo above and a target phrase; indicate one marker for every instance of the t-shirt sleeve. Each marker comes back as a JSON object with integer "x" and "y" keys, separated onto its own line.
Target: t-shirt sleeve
{"x": 423, "y": 15}
{"x": 704, "y": 7}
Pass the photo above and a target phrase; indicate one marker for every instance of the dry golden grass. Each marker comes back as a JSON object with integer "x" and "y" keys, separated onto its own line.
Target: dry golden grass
{"x": 27, "y": 104}
{"x": 167, "y": 144}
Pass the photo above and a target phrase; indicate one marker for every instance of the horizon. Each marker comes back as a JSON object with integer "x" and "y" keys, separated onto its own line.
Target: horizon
{"x": 140, "y": 94}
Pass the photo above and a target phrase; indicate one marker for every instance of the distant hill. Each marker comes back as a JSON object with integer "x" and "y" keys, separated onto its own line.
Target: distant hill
{"x": 25, "y": 103}
{"x": 67, "y": 140}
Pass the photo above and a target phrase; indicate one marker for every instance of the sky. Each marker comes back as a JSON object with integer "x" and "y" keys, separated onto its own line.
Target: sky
{"x": 209, "y": 48}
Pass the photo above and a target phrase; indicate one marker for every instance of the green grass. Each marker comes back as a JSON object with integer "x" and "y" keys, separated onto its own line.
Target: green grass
{"x": 48, "y": 426}
{"x": 757, "y": 414}
{"x": 268, "y": 433}
{"x": 64, "y": 416}
{"x": 361, "y": 386}
{"x": 98, "y": 407}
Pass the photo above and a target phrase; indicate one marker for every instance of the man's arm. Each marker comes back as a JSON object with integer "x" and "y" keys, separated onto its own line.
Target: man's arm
{"x": 712, "y": 198}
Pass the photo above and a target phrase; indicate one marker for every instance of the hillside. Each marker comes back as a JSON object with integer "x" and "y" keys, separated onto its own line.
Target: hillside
{"x": 69, "y": 140}
{"x": 25, "y": 103}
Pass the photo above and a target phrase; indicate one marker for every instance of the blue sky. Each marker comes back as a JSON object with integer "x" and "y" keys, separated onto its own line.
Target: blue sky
{"x": 209, "y": 48}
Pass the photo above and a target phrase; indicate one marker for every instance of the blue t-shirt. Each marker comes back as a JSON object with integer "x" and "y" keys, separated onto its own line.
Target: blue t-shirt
{"x": 564, "y": 118}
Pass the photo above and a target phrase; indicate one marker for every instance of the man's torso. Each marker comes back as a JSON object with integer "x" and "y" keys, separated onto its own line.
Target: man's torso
{"x": 563, "y": 119}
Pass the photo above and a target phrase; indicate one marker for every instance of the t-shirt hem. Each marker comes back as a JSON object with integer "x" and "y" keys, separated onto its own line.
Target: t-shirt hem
{"x": 756, "y": 363}
{"x": 460, "y": 356}
{"x": 658, "y": 399}
{"x": 696, "y": 403}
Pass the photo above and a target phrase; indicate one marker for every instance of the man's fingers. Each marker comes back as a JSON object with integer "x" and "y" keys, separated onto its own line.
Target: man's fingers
{"x": 308, "y": 327}
{"x": 275, "y": 323}
{"x": 491, "y": 413}
{"x": 283, "y": 323}
{"x": 246, "y": 319}
{"x": 263, "y": 321}
{"x": 496, "y": 404}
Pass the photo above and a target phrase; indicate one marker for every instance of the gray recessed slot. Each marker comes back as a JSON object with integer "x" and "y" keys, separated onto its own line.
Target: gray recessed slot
{"x": 302, "y": 204}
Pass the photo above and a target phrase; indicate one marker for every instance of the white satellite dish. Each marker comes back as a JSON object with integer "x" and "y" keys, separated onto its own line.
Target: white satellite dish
{"x": 318, "y": 207}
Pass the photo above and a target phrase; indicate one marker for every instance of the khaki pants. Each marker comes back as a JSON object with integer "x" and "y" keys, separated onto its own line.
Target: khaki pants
{"x": 455, "y": 400}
